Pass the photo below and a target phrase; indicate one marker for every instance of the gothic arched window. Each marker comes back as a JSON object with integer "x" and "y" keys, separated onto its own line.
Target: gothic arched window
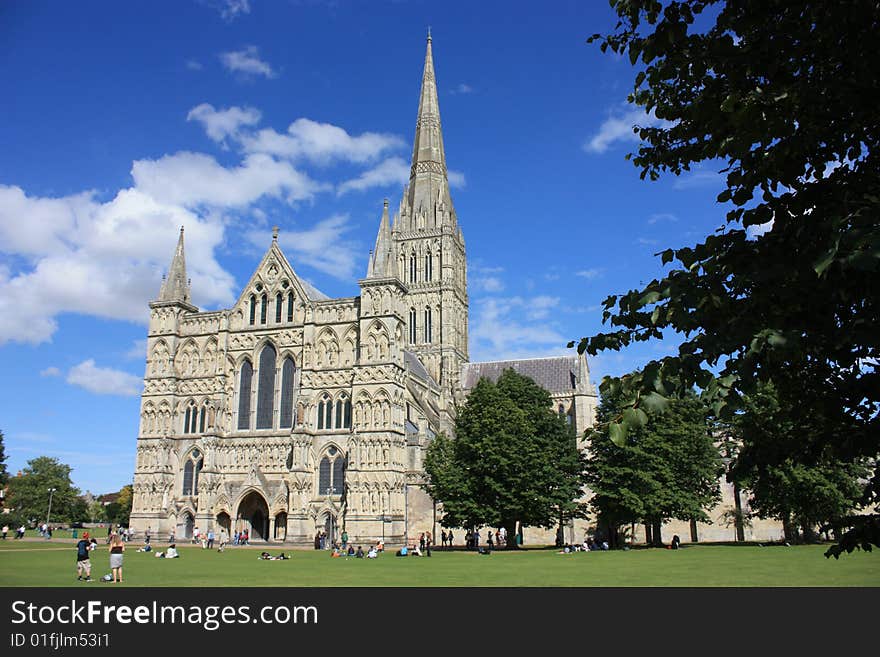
{"x": 266, "y": 388}
{"x": 331, "y": 473}
{"x": 290, "y": 306}
{"x": 245, "y": 379}
{"x": 325, "y": 413}
{"x": 412, "y": 325}
{"x": 427, "y": 325}
{"x": 288, "y": 369}
{"x": 412, "y": 268}
{"x": 253, "y": 309}
{"x": 264, "y": 306}
{"x": 429, "y": 266}
{"x": 203, "y": 417}
{"x": 279, "y": 301}
{"x": 191, "y": 470}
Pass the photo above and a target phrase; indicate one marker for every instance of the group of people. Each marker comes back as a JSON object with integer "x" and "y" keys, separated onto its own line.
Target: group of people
{"x": 19, "y": 533}
{"x": 338, "y": 551}
{"x": 87, "y": 544}
{"x": 588, "y": 545}
{"x": 494, "y": 540}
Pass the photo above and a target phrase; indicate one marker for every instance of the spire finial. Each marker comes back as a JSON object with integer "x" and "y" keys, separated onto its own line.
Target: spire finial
{"x": 429, "y": 34}
{"x": 385, "y": 203}
{"x": 274, "y": 233}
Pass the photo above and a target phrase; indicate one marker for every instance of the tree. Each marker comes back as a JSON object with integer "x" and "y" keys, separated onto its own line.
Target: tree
{"x": 667, "y": 468}
{"x": 513, "y": 460}
{"x": 799, "y": 494}
{"x": 29, "y": 492}
{"x": 4, "y": 474}
{"x": 780, "y": 94}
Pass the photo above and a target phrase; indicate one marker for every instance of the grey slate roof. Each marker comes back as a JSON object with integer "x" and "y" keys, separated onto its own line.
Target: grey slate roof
{"x": 415, "y": 367}
{"x": 556, "y": 375}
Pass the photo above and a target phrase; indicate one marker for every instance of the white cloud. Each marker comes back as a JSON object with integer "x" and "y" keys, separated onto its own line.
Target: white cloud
{"x": 194, "y": 65}
{"x": 99, "y": 259}
{"x": 456, "y": 179}
{"x": 323, "y": 247}
{"x": 50, "y": 371}
{"x": 514, "y": 327}
{"x": 486, "y": 284}
{"x": 104, "y": 380}
{"x": 246, "y": 62}
{"x": 195, "y": 179}
{"x": 662, "y": 216}
{"x": 619, "y": 127}
{"x": 589, "y": 274}
{"x": 644, "y": 241}
{"x": 322, "y": 143}
{"x": 393, "y": 171}
{"x": 138, "y": 350}
{"x": 697, "y": 179}
{"x": 220, "y": 124}
{"x": 462, "y": 88}
{"x": 231, "y": 9}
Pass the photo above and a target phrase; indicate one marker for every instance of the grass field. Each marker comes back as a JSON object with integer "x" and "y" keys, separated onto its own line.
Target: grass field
{"x": 52, "y": 563}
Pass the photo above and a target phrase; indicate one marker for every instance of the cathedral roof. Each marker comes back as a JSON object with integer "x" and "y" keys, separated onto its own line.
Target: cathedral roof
{"x": 557, "y": 374}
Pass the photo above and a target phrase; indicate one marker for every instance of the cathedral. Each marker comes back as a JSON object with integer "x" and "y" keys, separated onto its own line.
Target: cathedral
{"x": 291, "y": 412}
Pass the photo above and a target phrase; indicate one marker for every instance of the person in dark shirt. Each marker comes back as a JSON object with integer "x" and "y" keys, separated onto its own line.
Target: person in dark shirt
{"x": 83, "y": 564}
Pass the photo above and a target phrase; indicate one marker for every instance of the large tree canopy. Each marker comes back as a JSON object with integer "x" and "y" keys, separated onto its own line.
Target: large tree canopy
{"x": 512, "y": 460}
{"x": 29, "y": 492}
{"x": 781, "y": 95}
{"x": 668, "y": 468}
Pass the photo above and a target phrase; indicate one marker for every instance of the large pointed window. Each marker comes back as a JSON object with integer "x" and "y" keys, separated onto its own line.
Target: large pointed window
{"x": 412, "y": 268}
{"x": 290, "y": 306}
{"x": 428, "y": 325}
{"x": 279, "y": 301}
{"x": 266, "y": 388}
{"x": 331, "y": 473}
{"x": 191, "y": 470}
{"x": 264, "y": 307}
{"x": 245, "y": 379}
{"x": 429, "y": 266}
{"x": 288, "y": 369}
{"x": 253, "y": 309}
{"x": 412, "y": 325}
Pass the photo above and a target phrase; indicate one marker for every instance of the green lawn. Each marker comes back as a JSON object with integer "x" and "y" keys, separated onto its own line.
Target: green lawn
{"x": 52, "y": 563}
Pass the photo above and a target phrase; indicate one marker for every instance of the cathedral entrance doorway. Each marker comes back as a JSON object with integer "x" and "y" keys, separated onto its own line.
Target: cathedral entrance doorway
{"x": 281, "y": 526}
{"x": 330, "y": 528}
{"x": 253, "y": 515}
{"x": 185, "y": 526}
{"x": 224, "y": 521}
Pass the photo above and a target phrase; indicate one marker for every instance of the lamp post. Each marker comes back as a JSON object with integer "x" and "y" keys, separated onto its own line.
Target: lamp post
{"x": 49, "y": 512}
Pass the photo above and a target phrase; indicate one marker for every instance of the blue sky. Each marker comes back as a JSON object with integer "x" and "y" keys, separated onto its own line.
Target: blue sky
{"x": 124, "y": 121}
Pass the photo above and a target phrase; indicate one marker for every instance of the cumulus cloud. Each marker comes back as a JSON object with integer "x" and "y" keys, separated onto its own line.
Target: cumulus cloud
{"x": 230, "y": 9}
{"x": 50, "y": 371}
{"x": 619, "y": 127}
{"x": 104, "y": 380}
{"x": 220, "y": 124}
{"x": 99, "y": 259}
{"x": 246, "y": 62}
{"x": 195, "y": 179}
{"x": 393, "y": 171}
{"x": 194, "y": 65}
{"x": 321, "y": 143}
{"x": 514, "y": 327}
{"x": 696, "y": 179}
{"x": 589, "y": 274}
{"x": 662, "y": 216}
{"x": 462, "y": 88}
{"x": 323, "y": 246}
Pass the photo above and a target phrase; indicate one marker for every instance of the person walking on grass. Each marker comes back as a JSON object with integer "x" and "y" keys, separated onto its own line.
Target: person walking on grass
{"x": 83, "y": 564}
{"x": 117, "y": 547}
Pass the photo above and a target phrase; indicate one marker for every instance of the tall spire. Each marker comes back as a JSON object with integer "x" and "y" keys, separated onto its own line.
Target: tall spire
{"x": 427, "y": 178}
{"x": 175, "y": 287}
{"x": 381, "y": 262}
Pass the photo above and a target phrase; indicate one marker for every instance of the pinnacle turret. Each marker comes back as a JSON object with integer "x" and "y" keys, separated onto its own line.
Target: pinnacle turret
{"x": 175, "y": 286}
{"x": 382, "y": 261}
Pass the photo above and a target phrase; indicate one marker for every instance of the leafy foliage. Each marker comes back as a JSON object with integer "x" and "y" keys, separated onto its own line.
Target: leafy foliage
{"x": 4, "y": 474}
{"x": 799, "y": 493}
{"x": 667, "y": 468}
{"x": 29, "y": 492}
{"x": 779, "y": 94}
{"x": 512, "y": 460}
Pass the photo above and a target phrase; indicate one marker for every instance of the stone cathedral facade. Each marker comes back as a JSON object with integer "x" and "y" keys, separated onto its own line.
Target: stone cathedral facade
{"x": 292, "y": 412}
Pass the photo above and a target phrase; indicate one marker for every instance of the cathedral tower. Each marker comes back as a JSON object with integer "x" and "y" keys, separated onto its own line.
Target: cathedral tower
{"x": 427, "y": 248}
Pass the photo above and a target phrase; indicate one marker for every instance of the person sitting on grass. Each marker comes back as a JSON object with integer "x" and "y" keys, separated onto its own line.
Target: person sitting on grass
{"x": 351, "y": 550}
{"x": 373, "y": 553}
{"x": 414, "y": 551}
{"x": 402, "y": 552}
{"x": 360, "y": 553}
